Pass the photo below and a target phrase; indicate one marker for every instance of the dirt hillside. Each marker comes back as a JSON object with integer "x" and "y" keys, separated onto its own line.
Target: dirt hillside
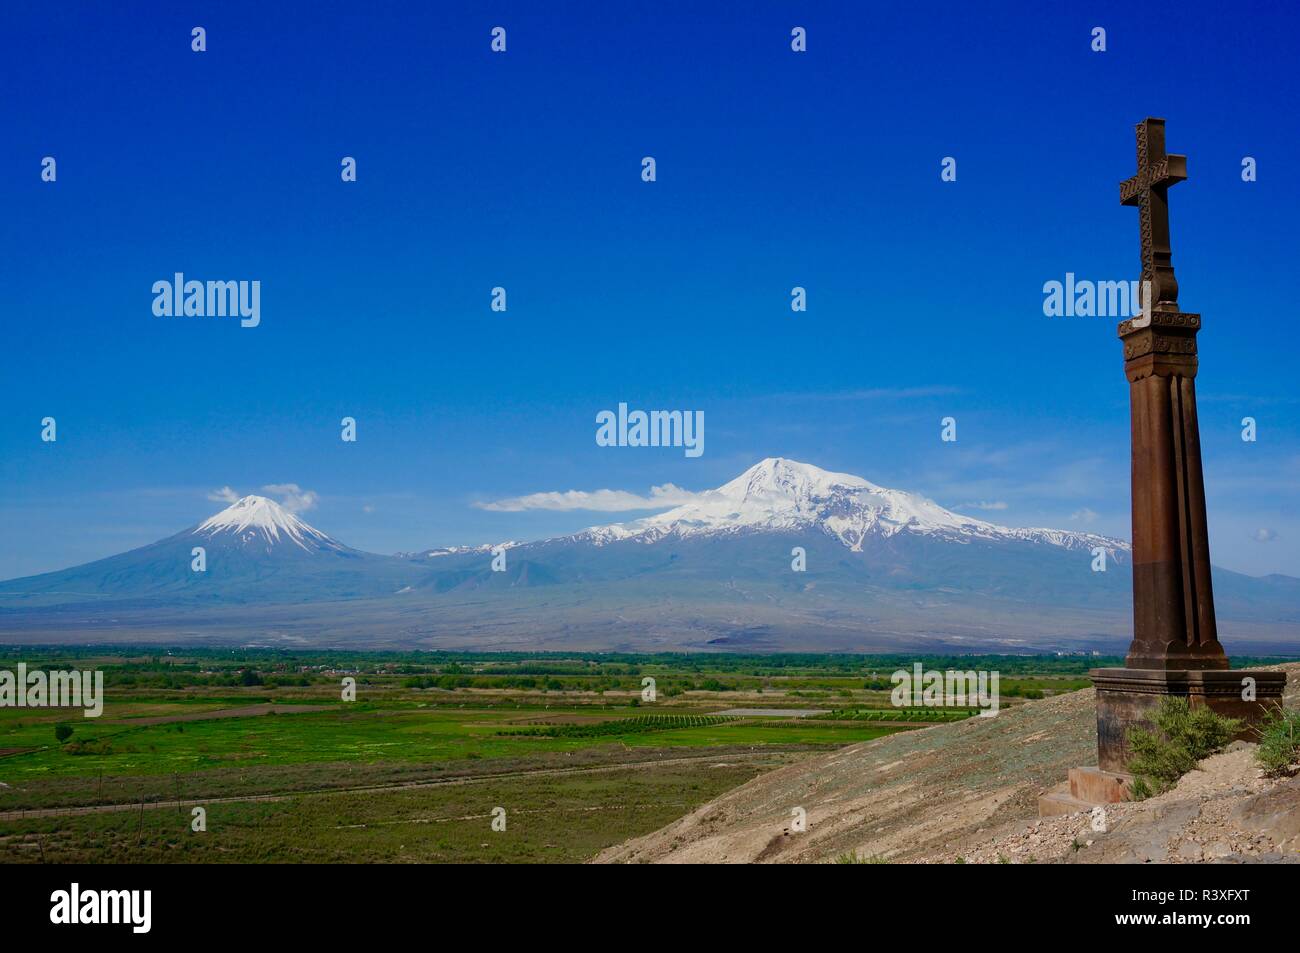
{"x": 970, "y": 790}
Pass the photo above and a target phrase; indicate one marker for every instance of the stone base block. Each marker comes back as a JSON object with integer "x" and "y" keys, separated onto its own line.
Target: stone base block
{"x": 1087, "y": 788}
{"x": 1096, "y": 786}
{"x": 1126, "y": 696}
{"x": 1058, "y": 803}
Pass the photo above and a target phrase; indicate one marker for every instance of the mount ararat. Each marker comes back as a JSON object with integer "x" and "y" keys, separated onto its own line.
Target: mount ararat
{"x": 885, "y": 570}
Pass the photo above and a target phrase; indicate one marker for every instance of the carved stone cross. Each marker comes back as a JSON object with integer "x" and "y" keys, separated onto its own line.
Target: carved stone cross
{"x": 1175, "y": 649}
{"x": 1173, "y": 603}
{"x": 1148, "y": 190}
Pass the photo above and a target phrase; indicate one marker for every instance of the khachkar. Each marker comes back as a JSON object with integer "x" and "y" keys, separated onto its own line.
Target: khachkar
{"x": 1175, "y": 649}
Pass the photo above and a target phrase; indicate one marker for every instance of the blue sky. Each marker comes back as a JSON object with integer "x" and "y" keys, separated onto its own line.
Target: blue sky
{"x": 522, "y": 170}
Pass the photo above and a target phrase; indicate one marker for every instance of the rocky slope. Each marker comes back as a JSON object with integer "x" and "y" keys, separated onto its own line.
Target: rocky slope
{"x": 970, "y": 791}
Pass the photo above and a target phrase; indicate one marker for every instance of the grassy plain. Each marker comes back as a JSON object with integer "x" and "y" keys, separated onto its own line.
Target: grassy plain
{"x": 286, "y": 769}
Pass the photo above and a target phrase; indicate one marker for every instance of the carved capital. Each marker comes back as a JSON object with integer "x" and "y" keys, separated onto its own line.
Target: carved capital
{"x": 1180, "y": 320}
{"x": 1166, "y": 347}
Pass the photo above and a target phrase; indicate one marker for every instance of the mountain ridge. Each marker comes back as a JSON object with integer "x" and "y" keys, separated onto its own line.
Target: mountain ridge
{"x": 848, "y": 507}
{"x": 876, "y": 569}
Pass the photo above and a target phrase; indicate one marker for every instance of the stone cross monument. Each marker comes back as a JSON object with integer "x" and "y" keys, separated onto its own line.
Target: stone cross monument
{"x": 1175, "y": 648}
{"x": 1173, "y": 602}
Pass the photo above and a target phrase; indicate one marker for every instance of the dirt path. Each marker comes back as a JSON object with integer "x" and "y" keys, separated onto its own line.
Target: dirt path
{"x": 730, "y": 760}
{"x": 247, "y": 711}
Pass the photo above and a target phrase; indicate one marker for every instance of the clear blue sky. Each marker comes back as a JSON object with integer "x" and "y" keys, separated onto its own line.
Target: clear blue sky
{"x": 775, "y": 169}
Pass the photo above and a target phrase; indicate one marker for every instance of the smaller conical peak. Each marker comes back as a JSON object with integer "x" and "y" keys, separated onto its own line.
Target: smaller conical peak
{"x": 261, "y": 517}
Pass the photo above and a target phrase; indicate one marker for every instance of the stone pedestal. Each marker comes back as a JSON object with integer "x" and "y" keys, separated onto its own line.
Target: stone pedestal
{"x": 1126, "y": 696}
{"x": 1099, "y": 787}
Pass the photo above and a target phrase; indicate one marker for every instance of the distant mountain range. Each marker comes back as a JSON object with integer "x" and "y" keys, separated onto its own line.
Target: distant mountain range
{"x": 885, "y": 569}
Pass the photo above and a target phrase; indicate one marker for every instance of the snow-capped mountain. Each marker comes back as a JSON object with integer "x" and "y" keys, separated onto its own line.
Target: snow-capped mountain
{"x": 256, "y": 522}
{"x": 779, "y": 495}
{"x": 878, "y": 570}
{"x": 253, "y": 551}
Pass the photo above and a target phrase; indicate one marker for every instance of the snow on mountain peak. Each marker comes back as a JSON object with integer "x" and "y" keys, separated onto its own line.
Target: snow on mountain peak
{"x": 777, "y": 494}
{"x": 255, "y": 517}
{"x": 779, "y": 477}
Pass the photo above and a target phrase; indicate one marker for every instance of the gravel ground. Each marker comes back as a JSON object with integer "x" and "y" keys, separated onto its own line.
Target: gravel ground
{"x": 1225, "y": 811}
{"x": 970, "y": 791}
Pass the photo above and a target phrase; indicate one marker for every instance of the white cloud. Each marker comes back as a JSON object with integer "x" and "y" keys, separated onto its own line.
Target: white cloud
{"x": 223, "y": 495}
{"x": 1084, "y": 515}
{"x": 605, "y": 501}
{"x": 1265, "y": 535}
{"x": 982, "y": 505}
{"x": 292, "y": 497}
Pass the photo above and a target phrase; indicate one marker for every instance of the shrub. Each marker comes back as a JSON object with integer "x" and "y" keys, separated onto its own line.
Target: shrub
{"x": 1279, "y": 741}
{"x": 1182, "y": 736}
{"x": 62, "y": 732}
{"x": 99, "y": 747}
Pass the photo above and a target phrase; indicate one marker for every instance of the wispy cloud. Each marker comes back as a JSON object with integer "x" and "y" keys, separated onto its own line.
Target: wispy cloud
{"x": 223, "y": 495}
{"x": 1084, "y": 515}
{"x": 605, "y": 501}
{"x": 982, "y": 505}
{"x": 292, "y": 497}
{"x": 1265, "y": 535}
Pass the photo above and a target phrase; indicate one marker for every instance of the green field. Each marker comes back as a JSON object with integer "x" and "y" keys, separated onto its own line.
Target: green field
{"x": 360, "y": 733}
{"x": 287, "y": 770}
{"x": 548, "y": 819}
